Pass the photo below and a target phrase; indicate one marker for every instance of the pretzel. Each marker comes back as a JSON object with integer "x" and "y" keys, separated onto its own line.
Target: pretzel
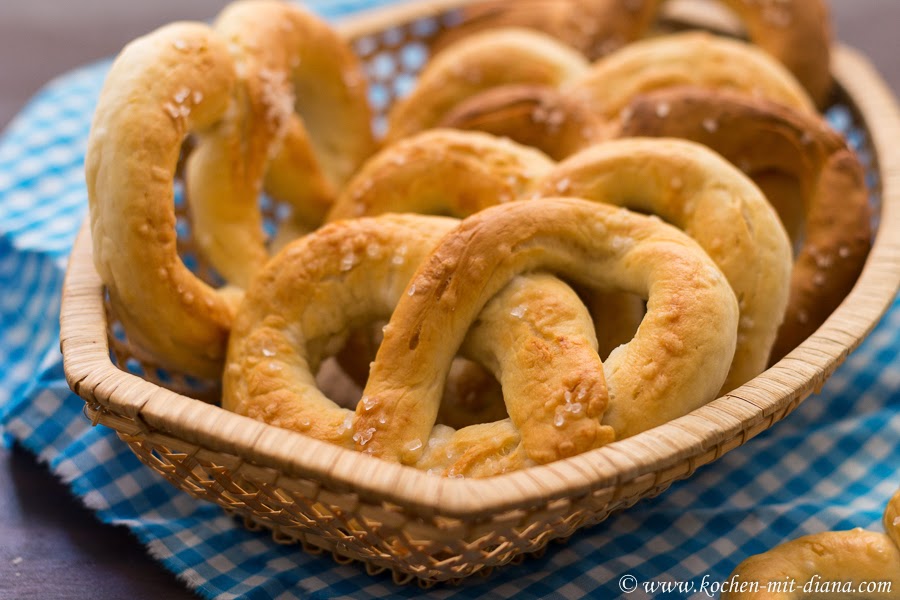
{"x": 795, "y": 32}
{"x": 676, "y": 362}
{"x": 571, "y": 114}
{"x": 800, "y": 163}
{"x": 712, "y": 202}
{"x": 692, "y": 188}
{"x": 363, "y": 268}
{"x": 183, "y": 79}
{"x": 845, "y": 558}
{"x": 308, "y": 110}
{"x": 483, "y": 61}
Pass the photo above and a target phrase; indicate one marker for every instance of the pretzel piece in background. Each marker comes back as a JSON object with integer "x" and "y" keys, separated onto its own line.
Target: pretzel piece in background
{"x": 840, "y": 563}
{"x": 797, "y": 33}
{"x": 692, "y": 58}
{"x": 441, "y": 171}
{"x": 582, "y": 108}
{"x": 483, "y": 61}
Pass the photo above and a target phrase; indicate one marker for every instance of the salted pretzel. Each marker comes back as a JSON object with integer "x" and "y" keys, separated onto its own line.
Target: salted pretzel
{"x": 483, "y": 61}
{"x": 850, "y": 558}
{"x": 130, "y": 165}
{"x": 575, "y": 111}
{"x": 682, "y": 182}
{"x": 224, "y": 89}
{"x": 796, "y": 32}
{"x": 802, "y": 165}
{"x": 676, "y": 362}
{"x": 363, "y": 267}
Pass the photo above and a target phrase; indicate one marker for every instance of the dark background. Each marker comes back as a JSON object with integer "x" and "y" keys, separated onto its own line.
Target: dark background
{"x": 50, "y": 546}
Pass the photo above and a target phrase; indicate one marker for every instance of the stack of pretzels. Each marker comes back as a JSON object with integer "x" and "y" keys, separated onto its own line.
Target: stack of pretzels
{"x": 543, "y": 254}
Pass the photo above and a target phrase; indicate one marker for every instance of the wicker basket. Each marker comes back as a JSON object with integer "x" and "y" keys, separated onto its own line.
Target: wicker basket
{"x": 393, "y": 517}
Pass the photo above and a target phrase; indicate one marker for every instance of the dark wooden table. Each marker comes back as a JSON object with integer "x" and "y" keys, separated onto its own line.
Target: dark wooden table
{"x": 50, "y": 546}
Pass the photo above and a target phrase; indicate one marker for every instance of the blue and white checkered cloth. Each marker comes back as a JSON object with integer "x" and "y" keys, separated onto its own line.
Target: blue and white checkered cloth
{"x": 831, "y": 465}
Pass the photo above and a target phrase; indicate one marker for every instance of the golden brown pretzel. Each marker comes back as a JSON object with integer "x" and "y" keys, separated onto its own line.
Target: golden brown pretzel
{"x": 796, "y": 32}
{"x": 694, "y": 189}
{"x": 229, "y": 91}
{"x": 593, "y": 27}
{"x": 362, "y": 267}
{"x": 676, "y": 362}
{"x": 306, "y": 108}
{"x": 481, "y": 62}
{"x": 131, "y": 159}
{"x": 772, "y": 143}
{"x": 849, "y": 559}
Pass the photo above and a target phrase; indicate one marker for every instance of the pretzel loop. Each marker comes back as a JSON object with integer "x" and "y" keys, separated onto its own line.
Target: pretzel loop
{"x": 592, "y": 244}
{"x": 130, "y": 165}
{"x": 372, "y": 260}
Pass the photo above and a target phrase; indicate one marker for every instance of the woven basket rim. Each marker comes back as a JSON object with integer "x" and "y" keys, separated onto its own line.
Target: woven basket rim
{"x": 679, "y": 444}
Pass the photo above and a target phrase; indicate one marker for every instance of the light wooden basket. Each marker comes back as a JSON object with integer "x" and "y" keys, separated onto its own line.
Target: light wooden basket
{"x": 419, "y": 526}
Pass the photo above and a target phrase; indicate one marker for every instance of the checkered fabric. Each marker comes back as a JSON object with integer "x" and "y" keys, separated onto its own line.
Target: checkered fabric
{"x": 831, "y": 465}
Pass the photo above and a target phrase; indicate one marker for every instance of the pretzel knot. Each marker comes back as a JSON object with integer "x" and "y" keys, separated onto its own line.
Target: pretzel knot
{"x": 439, "y": 279}
{"x": 241, "y": 91}
{"x": 849, "y": 560}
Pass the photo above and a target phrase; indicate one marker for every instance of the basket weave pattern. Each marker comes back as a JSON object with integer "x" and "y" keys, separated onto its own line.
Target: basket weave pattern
{"x": 391, "y": 517}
